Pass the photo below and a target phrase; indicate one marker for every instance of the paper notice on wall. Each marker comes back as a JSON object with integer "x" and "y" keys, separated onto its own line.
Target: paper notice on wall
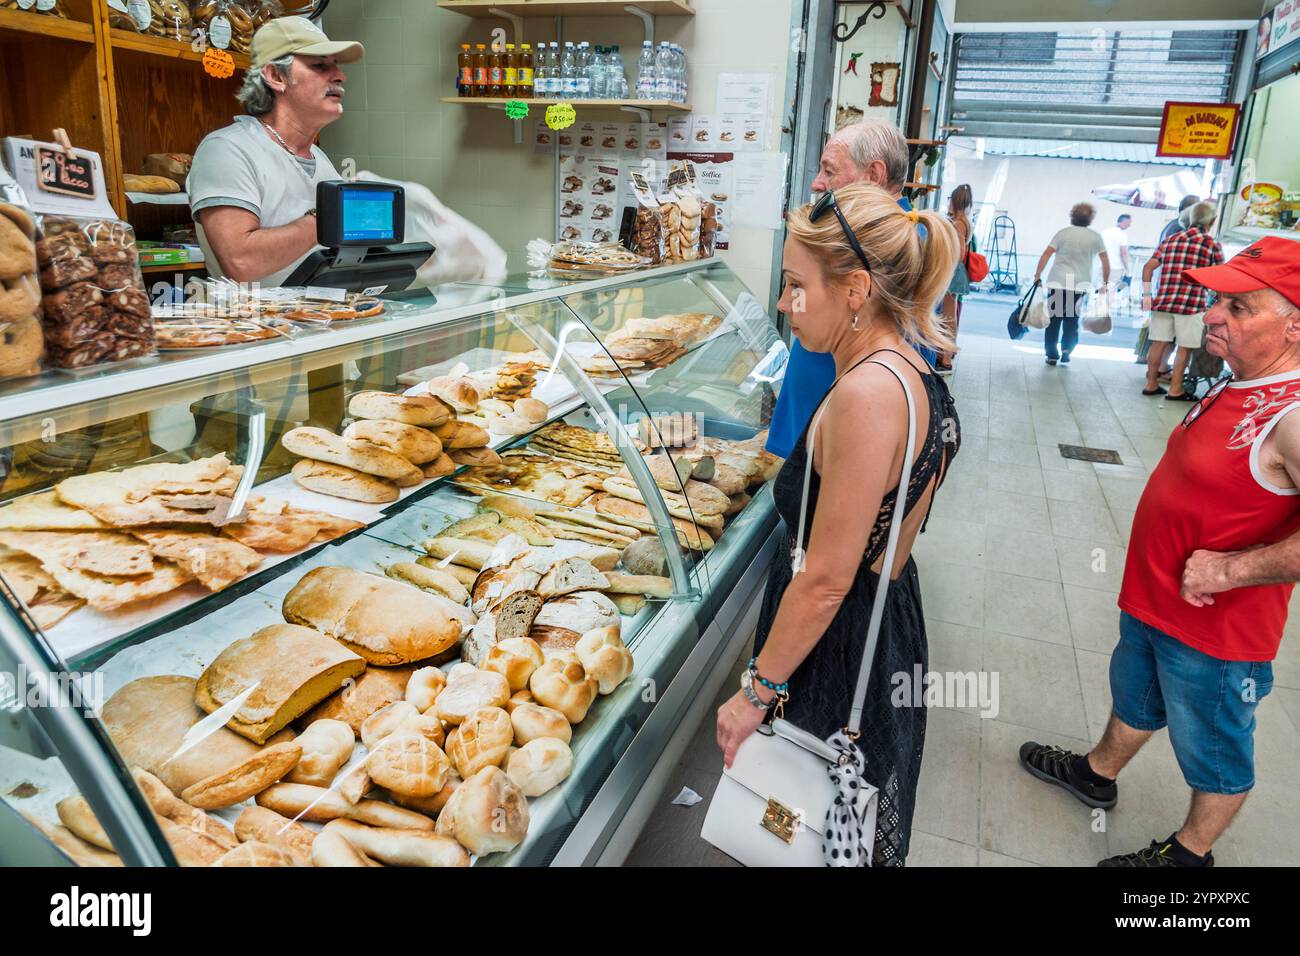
{"x": 543, "y": 137}
{"x": 588, "y": 133}
{"x": 743, "y": 93}
{"x": 654, "y": 140}
{"x": 630, "y": 140}
{"x": 610, "y": 139}
{"x": 588, "y": 198}
{"x": 679, "y": 132}
{"x": 753, "y": 133}
{"x": 758, "y": 189}
{"x": 704, "y": 132}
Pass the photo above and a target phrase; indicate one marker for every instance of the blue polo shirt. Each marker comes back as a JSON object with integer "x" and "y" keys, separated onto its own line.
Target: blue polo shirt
{"x": 808, "y": 377}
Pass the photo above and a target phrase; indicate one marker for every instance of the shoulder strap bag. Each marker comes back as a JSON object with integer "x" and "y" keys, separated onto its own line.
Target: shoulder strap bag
{"x": 790, "y": 798}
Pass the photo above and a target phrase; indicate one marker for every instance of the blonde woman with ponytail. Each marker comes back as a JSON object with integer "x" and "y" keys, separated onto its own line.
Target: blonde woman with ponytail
{"x": 861, "y": 282}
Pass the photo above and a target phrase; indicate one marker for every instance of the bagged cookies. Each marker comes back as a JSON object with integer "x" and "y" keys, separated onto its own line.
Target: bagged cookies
{"x": 21, "y": 343}
{"x": 227, "y": 24}
{"x": 94, "y": 307}
{"x": 263, "y": 11}
{"x": 647, "y": 228}
{"x": 171, "y": 19}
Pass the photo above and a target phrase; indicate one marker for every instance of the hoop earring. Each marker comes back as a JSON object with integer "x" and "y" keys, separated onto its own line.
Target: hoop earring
{"x": 855, "y": 321}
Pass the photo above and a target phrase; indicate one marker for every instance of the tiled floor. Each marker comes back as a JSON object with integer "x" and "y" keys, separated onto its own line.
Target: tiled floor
{"x": 1019, "y": 570}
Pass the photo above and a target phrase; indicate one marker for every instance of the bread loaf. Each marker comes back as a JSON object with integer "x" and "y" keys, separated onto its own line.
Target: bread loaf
{"x": 580, "y": 611}
{"x": 340, "y": 482}
{"x": 571, "y": 574}
{"x": 259, "y": 825}
{"x": 148, "y": 720}
{"x": 467, "y": 692}
{"x": 481, "y": 741}
{"x": 540, "y": 765}
{"x": 515, "y": 659}
{"x": 407, "y": 409}
{"x": 511, "y": 618}
{"x": 488, "y": 813}
{"x": 375, "y": 688}
{"x": 458, "y": 434}
{"x": 417, "y": 445}
{"x": 430, "y": 806}
{"x": 157, "y": 185}
{"x": 423, "y": 688}
{"x": 474, "y": 456}
{"x": 440, "y": 466}
{"x": 400, "y": 847}
{"x": 430, "y": 579}
{"x": 326, "y": 746}
{"x": 647, "y": 584}
{"x": 408, "y": 763}
{"x": 257, "y": 854}
{"x": 291, "y": 669}
{"x": 564, "y": 686}
{"x": 167, "y": 804}
{"x": 531, "y": 721}
{"x": 384, "y": 621}
{"x": 518, "y": 699}
{"x": 459, "y": 393}
{"x": 294, "y": 800}
{"x": 76, "y": 815}
{"x": 604, "y": 657}
{"x": 331, "y": 849}
{"x": 321, "y": 445}
{"x": 468, "y": 553}
{"x": 72, "y": 846}
{"x": 386, "y": 721}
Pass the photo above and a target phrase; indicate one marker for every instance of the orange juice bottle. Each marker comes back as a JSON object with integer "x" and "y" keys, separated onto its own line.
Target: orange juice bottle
{"x": 496, "y": 73}
{"x": 524, "y": 74}
{"x": 510, "y": 73}
{"x": 480, "y": 70}
{"x": 464, "y": 72}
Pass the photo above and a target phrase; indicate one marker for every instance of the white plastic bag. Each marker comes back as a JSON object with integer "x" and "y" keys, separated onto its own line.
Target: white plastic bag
{"x": 1096, "y": 316}
{"x": 1037, "y": 316}
{"x": 463, "y": 251}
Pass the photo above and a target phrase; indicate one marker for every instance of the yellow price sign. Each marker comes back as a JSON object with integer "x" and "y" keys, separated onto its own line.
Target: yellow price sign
{"x": 560, "y": 115}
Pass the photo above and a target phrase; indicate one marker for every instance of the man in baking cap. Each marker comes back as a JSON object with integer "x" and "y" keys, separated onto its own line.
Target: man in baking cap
{"x": 1212, "y": 560}
{"x": 252, "y": 186}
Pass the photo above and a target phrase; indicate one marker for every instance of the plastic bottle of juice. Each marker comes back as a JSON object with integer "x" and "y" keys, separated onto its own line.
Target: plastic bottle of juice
{"x": 524, "y": 73}
{"x": 510, "y": 75}
{"x": 464, "y": 72}
{"x": 480, "y": 70}
{"x": 496, "y": 72}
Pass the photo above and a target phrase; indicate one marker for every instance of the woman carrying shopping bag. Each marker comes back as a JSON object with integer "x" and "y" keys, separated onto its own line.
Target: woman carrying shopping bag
{"x": 959, "y": 207}
{"x": 860, "y": 283}
{"x": 1073, "y": 249}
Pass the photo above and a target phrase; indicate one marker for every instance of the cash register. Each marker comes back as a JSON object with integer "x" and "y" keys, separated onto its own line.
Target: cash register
{"x": 361, "y": 226}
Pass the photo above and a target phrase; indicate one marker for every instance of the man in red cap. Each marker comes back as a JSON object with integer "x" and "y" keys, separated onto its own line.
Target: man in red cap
{"x": 1212, "y": 559}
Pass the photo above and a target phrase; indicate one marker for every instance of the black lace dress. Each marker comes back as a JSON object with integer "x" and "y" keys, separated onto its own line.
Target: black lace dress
{"x": 820, "y": 689}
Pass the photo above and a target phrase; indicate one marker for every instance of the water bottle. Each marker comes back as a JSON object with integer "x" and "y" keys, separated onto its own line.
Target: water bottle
{"x": 584, "y": 70}
{"x": 554, "y": 83}
{"x": 541, "y": 73}
{"x": 683, "y": 87}
{"x": 568, "y": 72}
{"x": 645, "y": 72}
{"x": 617, "y": 83}
{"x": 663, "y": 71}
{"x": 596, "y": 73}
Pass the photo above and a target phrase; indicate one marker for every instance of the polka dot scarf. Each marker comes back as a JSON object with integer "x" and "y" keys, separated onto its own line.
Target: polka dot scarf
{"x": 851, "y": 819}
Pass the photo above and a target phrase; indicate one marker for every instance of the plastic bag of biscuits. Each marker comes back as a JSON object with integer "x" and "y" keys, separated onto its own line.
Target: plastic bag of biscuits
{"x": 133, "y": 15}
{"x": 94, "y": 306}
{"x": 171, "y": 19}
{"x": 228, "y": 25}
{"x": 21, "y": 344}
{"x": 50, "y": 8}
{"x": 262, "y": 11}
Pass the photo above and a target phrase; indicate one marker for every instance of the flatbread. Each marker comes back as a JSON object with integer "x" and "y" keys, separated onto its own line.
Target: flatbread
{"x": 271, "y": 524}
{"x": 45, "y": 512}
{"x": 196, "y": 492}
{"x": 35, "y": 587}
{"x": 54, "y": 549}
{"x": 217, "y": 562}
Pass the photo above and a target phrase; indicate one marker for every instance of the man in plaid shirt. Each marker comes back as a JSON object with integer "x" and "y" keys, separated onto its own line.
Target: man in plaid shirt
{"x": 1176, "y": 312}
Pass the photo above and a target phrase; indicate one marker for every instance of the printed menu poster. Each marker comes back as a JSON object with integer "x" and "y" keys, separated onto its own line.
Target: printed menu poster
{"x": 679, "y": 133}
{"x": 588, "y": 199}
{"x": 543, "y": 137}
{"x": 654, "y": 140}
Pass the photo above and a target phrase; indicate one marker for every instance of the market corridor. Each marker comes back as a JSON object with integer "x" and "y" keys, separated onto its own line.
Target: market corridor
{"x": 1020, "y": 569}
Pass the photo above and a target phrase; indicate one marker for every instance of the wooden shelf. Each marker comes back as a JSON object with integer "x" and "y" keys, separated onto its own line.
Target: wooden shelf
{"x": 175, "y": 267}
{"x": 161, "y": 46}
{"x": 24, "y": 21}
{"x": 902, "y": 6}
{"x": 926, "y": 142}
{"x": 926, "y": 186}
{"x": 574, "y": 8}
{"x": 500, "y": 102}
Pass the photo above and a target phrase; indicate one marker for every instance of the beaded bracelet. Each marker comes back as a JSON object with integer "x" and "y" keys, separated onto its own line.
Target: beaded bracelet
{"x": 781, "y": 688}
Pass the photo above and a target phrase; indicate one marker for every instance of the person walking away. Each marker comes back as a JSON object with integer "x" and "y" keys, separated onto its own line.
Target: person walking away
{"x": 959, "y": 206}
{"x": 1179, "y": 222}
{"x": 1116, "y": 239}
{"x": 1212, "y": 560}
{"x": 869, "y": 285}
{"x": 1177, "y": 310}
{"x": 1073, "y": 250}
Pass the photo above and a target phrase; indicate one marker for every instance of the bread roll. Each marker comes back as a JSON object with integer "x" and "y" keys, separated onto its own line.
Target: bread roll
{"x": 148, "y": 720}
{"x": 518, "y": 699}
{"x": 648, "y": 584}
{"x": 331, "y": 849}
{"x": 460, "y": 669}
{"x": 259, "y": 825}
{"x": 488, "y": 813}
{"x": 629, "y": 605}
{"x": 430, "y": 806}
{"x": 384, "y": 621}
{"x": 430, "y": 579}
{"x": 474, "y": 456}
{"x": 459, "y": 393}
{"x": 293, "y": 800}
{"x": 531, "y": 721}
{"x": 458, "y": 434}
{"x": 465, "y": 694}
{"x": 76, "y": 815}
{"x": 292, "y": 668}
{"x": 470, "y": 554}
{"x": 407, "y": 409}
{"x": 510, "y": 619}
{"x": 532, "y": 409}
{"x": 354, "y": 784}
{"x": 428, "y": 725}
{"x": 321, "y": 445}
{"x": 166, "y": 804}
{"x": 257, "y": 854}
{"x": 377, "y": 687}
{"x": 571, "y": 574}
{"x": 602, "y": 559}
{"x": 605, "y": 658}
{"x": 540, "y": 765}
{"x": 72, "y": 846}
{"x": 385, "y": 721}
{"x": 481, "y": 741}
{"x": 417, "y": 445}
{"x": 408, "y": 763}
{"x": 423, "y": 688}
{"x": 326, "y": 746}
{"x": 400, "y": 847}
{"x": 515, "y": 659}
{"x": 340, "y": 482}
{"x": 564, "y": 685}
{"x": 440, "y": 466}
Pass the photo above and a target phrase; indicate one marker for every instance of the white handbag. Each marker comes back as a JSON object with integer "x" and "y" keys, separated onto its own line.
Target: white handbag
{"x": 773, "y": 805}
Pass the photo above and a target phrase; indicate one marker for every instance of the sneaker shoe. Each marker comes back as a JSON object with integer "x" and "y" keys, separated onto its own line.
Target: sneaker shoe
{"x": 1055, "y": 765}
{"x": 1065, "y": 358}
{"x": 1157, "y": 854}
{"x": 1051, "y": 361}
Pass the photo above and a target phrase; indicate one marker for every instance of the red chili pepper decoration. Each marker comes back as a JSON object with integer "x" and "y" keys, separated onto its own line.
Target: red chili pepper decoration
{"x": 853, "y": 64}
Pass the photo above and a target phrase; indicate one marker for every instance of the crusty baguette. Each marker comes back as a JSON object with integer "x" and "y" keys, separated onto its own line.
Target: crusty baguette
{"x": 458, "y": 434}
{"x": 408, "y": 409}
{"x": 586, "y": 534}
{"x": 417, "y": 445}
{"x": 467, "y": 552}
{"x": 400, "y": 847}
{"x": 688, "y": 534}
{"x": 293, "y": 799}
{"x": 649, "y": 585}
{"x": 183, "y": 814}
{"x": 321, "y": 445}
{"x": 465, "y": 574}
{"x": 340, "y": 482}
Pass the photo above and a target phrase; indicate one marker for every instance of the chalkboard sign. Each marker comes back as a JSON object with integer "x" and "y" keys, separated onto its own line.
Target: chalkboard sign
{"x": 69, "y": 174}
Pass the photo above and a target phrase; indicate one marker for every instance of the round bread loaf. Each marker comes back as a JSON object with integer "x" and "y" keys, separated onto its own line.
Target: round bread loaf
{"x": 540, "y": 765}
{"x": 424, "y": 687}
{"x": 467, "y": 692}
{"x": 326, "y": 746}
{"x": 518, "y": 699}
{"x": 515, "y": 659}
{"x": 481, "y": 740}
{"x": 488, "y": 813}
{"x": 532, "y": 721}
{"x": 563, "y": 684}
{"x": 408, "y": 763}
{"x": 604, "y": 657}
{"x": 385, "y": 721}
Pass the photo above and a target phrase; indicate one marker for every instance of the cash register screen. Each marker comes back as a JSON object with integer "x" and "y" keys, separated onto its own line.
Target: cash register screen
{"x": 368, "y": 216}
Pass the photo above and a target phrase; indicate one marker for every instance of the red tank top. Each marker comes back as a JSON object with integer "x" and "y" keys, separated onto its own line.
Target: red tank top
{"x": 1207, "y": 492}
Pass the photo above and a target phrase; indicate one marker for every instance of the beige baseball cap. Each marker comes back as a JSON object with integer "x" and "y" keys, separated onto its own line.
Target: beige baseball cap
{"x": 278, "y": 38}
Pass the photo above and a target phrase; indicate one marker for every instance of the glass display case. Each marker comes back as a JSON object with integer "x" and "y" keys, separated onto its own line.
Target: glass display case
{"x": 1266, "y": 197}
{"x": 172, "y": 529}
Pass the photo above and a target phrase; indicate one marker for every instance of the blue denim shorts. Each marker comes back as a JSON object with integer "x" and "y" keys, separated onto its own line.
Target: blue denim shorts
{"x": 1157, "y": 681}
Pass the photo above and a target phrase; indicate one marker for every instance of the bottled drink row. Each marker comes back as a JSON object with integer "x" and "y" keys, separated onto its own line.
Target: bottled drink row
{"x": 570, "y": 72}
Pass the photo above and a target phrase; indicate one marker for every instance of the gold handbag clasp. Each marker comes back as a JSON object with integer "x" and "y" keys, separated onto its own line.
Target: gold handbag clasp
{"x": 779, "y": 819}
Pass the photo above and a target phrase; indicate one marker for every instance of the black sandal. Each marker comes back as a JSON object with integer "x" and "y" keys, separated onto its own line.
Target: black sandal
{"x": 1185, "y": 397}
{"x": 1153, "y": 391}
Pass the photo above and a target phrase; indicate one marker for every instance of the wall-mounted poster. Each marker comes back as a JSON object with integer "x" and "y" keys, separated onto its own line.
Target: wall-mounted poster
{"x": 1198, "y": 130}
{"x": 884, "y": 84}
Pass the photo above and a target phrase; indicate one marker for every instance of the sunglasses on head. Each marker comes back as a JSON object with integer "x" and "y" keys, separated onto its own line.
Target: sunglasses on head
{"x": 827, "y": 201}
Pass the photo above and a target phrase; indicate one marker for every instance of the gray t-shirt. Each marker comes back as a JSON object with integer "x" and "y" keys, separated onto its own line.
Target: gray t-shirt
{"x": 1076, "y": 247}
{"x": 242, "y": 165}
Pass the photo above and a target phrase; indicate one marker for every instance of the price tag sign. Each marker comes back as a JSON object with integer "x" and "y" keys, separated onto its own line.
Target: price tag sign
{"x": 517, "y": 109}
{"x": 66, "y": 173}
{"x": 560, "y": 115}
{"x": 218, "y": 63}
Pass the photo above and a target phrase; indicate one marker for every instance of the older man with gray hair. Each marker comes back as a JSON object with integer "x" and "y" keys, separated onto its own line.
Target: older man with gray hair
{"x": 869, "y": 152}
{"x": 252, "y": 185}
